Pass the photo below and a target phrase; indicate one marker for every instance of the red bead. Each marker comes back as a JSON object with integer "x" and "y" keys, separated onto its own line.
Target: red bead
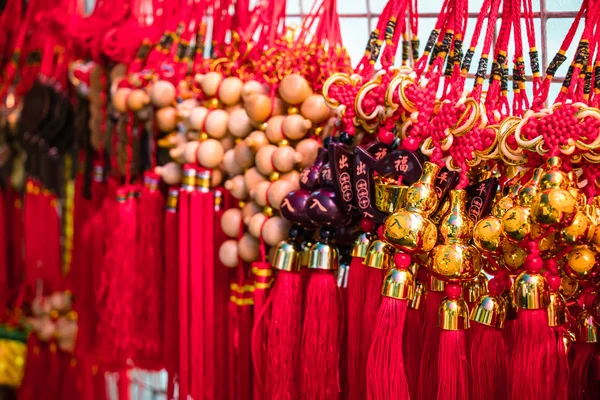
{"x": 380, "y": 232}
{"x": 410, "y": 144}
{"x": 386, "y": 137}
{"x": 553, "y": 282}
{"x": 533, "y": 263}
{"x": 402, "y": 260}
{"x": 552, "y": 267}
{"x": 453, "y": 291}
{"x": 367, "y": 225}
{"x": 495, "y": 286}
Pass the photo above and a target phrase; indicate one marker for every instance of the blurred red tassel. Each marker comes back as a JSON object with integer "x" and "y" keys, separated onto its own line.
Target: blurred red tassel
{"x": 171, "y": 294}
{"x": 31, "y": 385}
{"x": 261, "y": 271}
{"x": 415, "y": 318}
{"x": 386, "y": 378}
{"x": 321, "y": 335}
{"x": 15, "y": 240}
{"x": 284, "y": 333}
{"x": 489, "y": 362}
{"x": 530, "y": 361}
{"x": 581, "y": 377}
{"x": 149, "y": 286}
{"x": 70, "y": 383}
{"x": 374, "y": 280}
{"x": 430, "y": 344}
{"x": 356, "y": 304}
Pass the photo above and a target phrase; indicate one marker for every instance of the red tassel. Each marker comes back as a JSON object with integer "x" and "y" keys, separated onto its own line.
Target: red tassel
{"x": 428, "y": 366}
{"x": 530, "y": 361}
{"x": 244, "y": 359}
{"x": 149, "y": 283}
{"x": 171, "y": 336}
{"x": 385, "y": 367}
{"x": 184, "y": 289}
{"x": 373, "y": 283}
{"x": 453, "y": 367}
{"x": 15, "y": 241}
{"x": 356, "y": 304}
{"x": 415, "y": 318}
{"x": 321, "y": 335}
{"x": 262, "y": 273}
{"x": 207, "y": 207}
{"x": 69, "y": 381}
{"x": 99, "y": 378}
{"x": 284, "y": 332}
{"x": 34, "y": 371}
{"x": 3, "y": 257}
{"x": 123, "y": 385}
{"x": 581, "y": 377}
{"x": 488, "y": 359}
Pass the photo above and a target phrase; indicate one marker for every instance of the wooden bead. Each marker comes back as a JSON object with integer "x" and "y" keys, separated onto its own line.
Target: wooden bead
{"x": 253, "y": 87}
{"x": 258, "y": 107}
{"x": 256, "y": 223}
{"x": 119, "y": 99}
{"x": 229, "y": 164}
{"x": 170, "y": 173}
{"x": 237, "y": 188}
{"x": 264, "y": 159}
{"x": 252, "y": 177}
{"x": 308, "y": 148}
{"x": 278, "y": 190}
{"x": 216, "y": 177}
{"x": 177, "y": 153}
{"x": 315, "y": 109}
{"x": 228, "y": 253}
{"x": 274, "y": 129}
{"x": 250, "y": 209}
{"x": 239, "y": 124}
{"x": 210, "y": 83}
{"x": 244, "y": 156}
{"x": 292, "y": 176}
{"x": 285, "y": 158}
{"x": 210, "y": 153}
{"x": 248, "y": 248}
{"x": 228, "y": 142}
{"x": 162, "y": 94}
{"x": 60, "y": 301}
{"x": 137, "y": 100}
{"x": 294, "y": 89}
{"x": 47, "y": 329}
{"x": 184, "y": 111}
{"x": 231, "y": 221}
{"x": 230, "y": 90}
{"x": 259, "y": 193}
{"x": 215, "y": 124}
{"x": 190, "y": 154}
{"x": 256, "y": 140}
{"x": 197, "y": 116}
{"x": 295, "y": 127}
{"x": 166, "y": 119}
{"x": 275, "y": 230}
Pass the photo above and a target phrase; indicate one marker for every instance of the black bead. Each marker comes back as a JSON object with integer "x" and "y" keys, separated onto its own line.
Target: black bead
{"x": 346, "y": 138}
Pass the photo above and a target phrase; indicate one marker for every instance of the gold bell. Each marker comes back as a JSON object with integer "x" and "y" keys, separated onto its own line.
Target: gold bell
{"x": 456, "y": 260}
{"x": 323, "y": 256}
{"x": 286, "y": 258}
{"x": 490, "y": 310}
{"x": 587, "y": 329}
{"x": 557, "y": 310}
{"x": 379, "y": 255}
{"x": 531, "y": 291}
{"x": 361, "y": 244}
{"x": 453, "y": 314}
{"x": 399, "y": 284}
{"x": 475, "y": 288}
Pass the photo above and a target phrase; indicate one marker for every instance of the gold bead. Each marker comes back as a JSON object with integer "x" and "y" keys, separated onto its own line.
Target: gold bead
{"x": 283, "y": 142}
{"x": 292, "y": 110}
{"x": 268, "y": 211}
{"x": 273, "y": 176}
{"x": 203, "y": 136}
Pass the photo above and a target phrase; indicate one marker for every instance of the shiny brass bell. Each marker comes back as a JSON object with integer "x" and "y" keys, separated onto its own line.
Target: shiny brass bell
{"x": 323, "y": 254}
{"x": 453, "y": 314}
{"x": 587, "y": 329}
{"x": 489, "y": 310}
{"x": 286, "y": 258}
{"x": 379, "y": 255}
{"x": 557, "y": 310}
{"x": 399, "y": 284}
{"x": 531, "y": 291}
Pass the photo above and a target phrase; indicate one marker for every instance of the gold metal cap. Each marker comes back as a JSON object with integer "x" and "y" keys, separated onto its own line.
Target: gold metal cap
{"x": 361, "y": 244}
{"x": 587, "y": 329}
{"x": 489, "y": 310}
{"x": 305, "y": 254}
{"x": 399, "y": 284}
{"x": 420, "y": 293}
{"x": 453, "y": 314}
{"x": 389, "y": 197}
{"x": 511, "y": 307}
{"x": 323, "y": 256}
{"x": 473, "y": 290}
{"x": 286, "y": 258}
{"x": 557, "y": 310}
{"x": 436, "y": 285}
{"x": 379, "y": 255}
{"x": 531, "y": 291}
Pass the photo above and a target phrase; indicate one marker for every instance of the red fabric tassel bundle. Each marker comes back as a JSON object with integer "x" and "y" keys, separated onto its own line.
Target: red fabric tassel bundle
{"x": 171, "y": 294}
{"x": 262, "y": 273}
{"x": 415, "y": 318}
{"x": 374, "y": 280}
{"x": 321, "y": 335}
{"x": 488, "y": 354}
{"x": 386, "y": 378}
{"x": 534, "y": 339}
{"x": 149, "y": 286}
{"x": 580, "y": 383}
{"x": 3, "y": 256}
{"x": 428, "y": 366}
